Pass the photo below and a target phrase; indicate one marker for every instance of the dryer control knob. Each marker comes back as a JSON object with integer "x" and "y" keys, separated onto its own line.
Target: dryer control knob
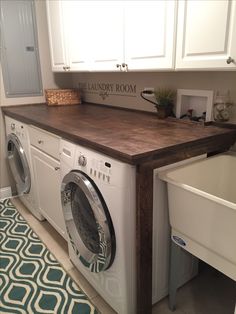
{"x": 82, "y": 161}
{"x": 13, "y": 126}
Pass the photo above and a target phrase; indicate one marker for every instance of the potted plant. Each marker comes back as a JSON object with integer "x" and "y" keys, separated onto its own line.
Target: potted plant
{"x": 165, "y": 98}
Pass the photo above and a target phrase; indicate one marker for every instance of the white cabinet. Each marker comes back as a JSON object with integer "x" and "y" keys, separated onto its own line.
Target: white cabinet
{"x": 206, "y": 35}
{"x": 94, "y": 34}
{"x": 56, "y": 33}
{"x": 111, "y": 35}
{"x": 149, "y": 34}
{"x": 46, "y": 166}
{"x": 142, "y": 35}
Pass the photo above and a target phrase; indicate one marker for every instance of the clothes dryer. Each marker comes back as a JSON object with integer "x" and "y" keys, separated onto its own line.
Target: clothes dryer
{"x": 98, "y": 201}
{"x": 18, "y": 155}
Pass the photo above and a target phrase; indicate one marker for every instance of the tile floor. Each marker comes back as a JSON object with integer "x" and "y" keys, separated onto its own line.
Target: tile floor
{"x": 209, "y": 293}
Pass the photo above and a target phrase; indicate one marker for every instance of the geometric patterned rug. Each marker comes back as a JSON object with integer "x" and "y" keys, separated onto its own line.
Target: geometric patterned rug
{"x": 31, "y": 279}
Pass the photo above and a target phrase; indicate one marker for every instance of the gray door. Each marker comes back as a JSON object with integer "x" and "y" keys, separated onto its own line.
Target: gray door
{"x": 88, "y": 222}
{"x": 18, "y": 164}
{"x": 19, "y": 53}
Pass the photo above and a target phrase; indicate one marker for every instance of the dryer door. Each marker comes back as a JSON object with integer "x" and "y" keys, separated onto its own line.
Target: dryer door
{"x": 88, "y": 221}
{"x": 18, "y": 164}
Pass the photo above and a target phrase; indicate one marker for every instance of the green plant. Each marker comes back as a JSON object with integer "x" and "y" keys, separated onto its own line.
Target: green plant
{"x": 165, "y": 96}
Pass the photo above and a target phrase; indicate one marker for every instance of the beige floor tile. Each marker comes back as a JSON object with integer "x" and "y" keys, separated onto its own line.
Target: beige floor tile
{"x": 83, "y": 283}
{"x": 162, "y": 308}
{"x": 102, "y": 306}
{"x": 209, "y": 293}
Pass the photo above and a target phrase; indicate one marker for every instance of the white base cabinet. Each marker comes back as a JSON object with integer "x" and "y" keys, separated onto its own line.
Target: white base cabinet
{"x": 47, "y": 181}
{"x": 44, "y": 147}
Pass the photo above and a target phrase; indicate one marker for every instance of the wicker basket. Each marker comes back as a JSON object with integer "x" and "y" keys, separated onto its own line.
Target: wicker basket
{"x": 62, "y": 96}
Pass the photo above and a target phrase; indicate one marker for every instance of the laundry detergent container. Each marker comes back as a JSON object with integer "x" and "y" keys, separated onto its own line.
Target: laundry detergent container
{"x": 202, "y": 210}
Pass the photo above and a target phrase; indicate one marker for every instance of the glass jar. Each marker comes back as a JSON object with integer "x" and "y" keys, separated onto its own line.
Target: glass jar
{"x": 222, "y": 108}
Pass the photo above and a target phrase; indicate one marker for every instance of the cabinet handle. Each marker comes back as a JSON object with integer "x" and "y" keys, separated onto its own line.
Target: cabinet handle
{"x": 125, "y": 67}
{"x": 66, "y": 68}
{"x": 40, "y": 141}
{"x": 229, "y": 60}
{"x": 118, "y": 66}
{"x": 56, "y": 168}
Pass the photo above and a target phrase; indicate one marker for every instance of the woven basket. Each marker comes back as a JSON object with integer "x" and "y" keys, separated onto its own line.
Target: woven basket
{"x": 62, "y": 97}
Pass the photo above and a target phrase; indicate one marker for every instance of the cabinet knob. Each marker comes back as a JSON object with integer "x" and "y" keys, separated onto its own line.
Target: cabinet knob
{"x": 66, "y": 68}
{"x": 13, "y": 126}
{"x": 56, "y": 168}
{"x": 40, "y": 141}
{"x": 125, "y": 67}
{"x": 229, "y": 60}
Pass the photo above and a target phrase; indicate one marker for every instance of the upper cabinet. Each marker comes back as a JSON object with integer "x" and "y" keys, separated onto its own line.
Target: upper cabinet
{"x": 206, "y": 35}
{"x": 142, "y": 35}
{"x": 111, "y": 35}
{"x": 56, "y": 32}
{"x": 149, "y": 34}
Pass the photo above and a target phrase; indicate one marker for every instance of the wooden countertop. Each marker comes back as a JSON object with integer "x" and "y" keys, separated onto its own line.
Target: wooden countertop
{"x": 130, "y": 136}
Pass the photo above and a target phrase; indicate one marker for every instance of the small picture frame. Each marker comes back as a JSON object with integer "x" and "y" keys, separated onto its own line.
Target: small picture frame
{"x": 199, "y": 101}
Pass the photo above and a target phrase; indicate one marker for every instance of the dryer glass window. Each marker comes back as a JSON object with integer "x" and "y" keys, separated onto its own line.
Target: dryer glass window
{"x": 18, "y": 164}
{"x": 84, "y": 219}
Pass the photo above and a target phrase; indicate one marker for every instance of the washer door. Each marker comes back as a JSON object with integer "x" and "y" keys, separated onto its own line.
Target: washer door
{"x": 18, "y": 164}
{"x": 88, "y": 221}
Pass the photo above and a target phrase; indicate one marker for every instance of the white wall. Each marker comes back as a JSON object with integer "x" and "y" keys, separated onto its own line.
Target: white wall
{"x": 49, "y": 81}
{"x": 214, "y": 80}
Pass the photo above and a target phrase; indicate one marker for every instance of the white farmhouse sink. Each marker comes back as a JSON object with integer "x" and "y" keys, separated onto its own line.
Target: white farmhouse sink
{"x": 202, "y": 210}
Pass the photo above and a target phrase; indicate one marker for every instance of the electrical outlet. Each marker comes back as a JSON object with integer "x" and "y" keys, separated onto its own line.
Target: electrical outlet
{"x": 148, "y": 90}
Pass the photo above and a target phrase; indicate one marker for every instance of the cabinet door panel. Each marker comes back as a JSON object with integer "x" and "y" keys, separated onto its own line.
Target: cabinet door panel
{"x": 149, "y": 34}
{"x": 105, "y": 35}
{"x": 76, "y": 17}
{"x": 56, "y": 35}
{"x": 206, "y": 34}
{"x": 47, "y": 181}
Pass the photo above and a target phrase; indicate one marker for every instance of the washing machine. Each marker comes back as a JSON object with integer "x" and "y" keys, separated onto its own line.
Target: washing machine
{"x": 98, "y": 201}
{"x": 18, "y": 156}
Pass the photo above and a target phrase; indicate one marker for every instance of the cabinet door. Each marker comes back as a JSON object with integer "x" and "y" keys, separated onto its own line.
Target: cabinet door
{"x": 206, "y": 35}
{"x": 149, "y": 34}
{"x": 48, "y": 182}
{"x": 77, "y": 21}
{"x": 56, "y": 35}
{"x": 104, "y": 29}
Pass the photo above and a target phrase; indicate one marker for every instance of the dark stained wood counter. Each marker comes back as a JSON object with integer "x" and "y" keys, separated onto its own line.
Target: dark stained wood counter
{"x": 136, "y": 138}
{"x": 130, "y": 136}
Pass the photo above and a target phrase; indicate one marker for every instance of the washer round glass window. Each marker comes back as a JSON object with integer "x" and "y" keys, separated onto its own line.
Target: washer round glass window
{"x": 88, "y": 221}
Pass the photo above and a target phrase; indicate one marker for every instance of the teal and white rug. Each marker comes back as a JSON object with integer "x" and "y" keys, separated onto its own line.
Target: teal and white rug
{"x": 31, "y": 279}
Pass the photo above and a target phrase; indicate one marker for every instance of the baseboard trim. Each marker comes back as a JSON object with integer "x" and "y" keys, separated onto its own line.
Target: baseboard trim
{"x": 5, "y": 192}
